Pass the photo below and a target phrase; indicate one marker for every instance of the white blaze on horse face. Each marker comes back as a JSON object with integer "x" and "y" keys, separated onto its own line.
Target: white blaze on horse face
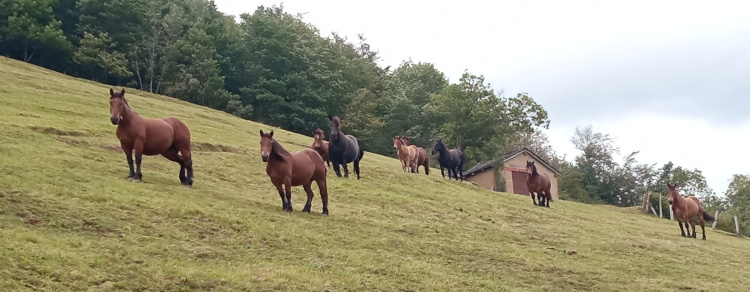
{"x": 265, "y": 149}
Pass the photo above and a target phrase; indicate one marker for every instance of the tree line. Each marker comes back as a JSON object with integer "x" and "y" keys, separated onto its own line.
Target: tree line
{"x": 273, "y": 67}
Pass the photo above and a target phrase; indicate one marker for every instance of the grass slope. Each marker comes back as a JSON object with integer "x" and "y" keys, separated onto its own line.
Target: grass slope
{"x": 70, "y": 221}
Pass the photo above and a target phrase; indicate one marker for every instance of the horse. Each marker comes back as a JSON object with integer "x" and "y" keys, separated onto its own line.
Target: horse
{"x": 538, "y": 183}
{"x": 293, "y": 169}
{"x": 422, "y": 158}
{"x": 685, "y": 209}
{"x": 452, "y": 159}
{"x": 407, "y": 154}
{"x": 320, "y": 145}
{"x": 343, "y": 149}
{"x": 169, "y": 137}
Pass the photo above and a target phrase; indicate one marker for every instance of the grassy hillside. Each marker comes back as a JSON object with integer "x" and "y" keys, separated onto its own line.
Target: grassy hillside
{"x": 70, "y": 221}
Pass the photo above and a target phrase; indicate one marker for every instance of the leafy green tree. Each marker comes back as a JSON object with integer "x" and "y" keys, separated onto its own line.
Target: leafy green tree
{"x": 33, "y": 23}
{"x": 97, "y": 54}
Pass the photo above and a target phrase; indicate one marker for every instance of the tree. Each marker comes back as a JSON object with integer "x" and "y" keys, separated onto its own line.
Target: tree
{"x": 33, "y": 23}
{"x": 738, "y": 198}
{"x": 97, "y": 54}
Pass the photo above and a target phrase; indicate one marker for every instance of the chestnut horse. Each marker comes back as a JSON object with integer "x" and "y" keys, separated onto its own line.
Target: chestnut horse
{"x": 343, "y": 149}
{"x": 422, "y": 159}
{"x": 294, "y": 169}
{"x": 538, "y": 183}
{"x": 169, "y": 137}
{"x": 452, "y": 159}
{"x": 321, "y": 145}
{"x": 407, "y": 154}
{"x": 685, "y": 209}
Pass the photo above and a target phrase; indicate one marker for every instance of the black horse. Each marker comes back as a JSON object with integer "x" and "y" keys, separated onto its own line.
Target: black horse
{"x": 343, "y": 149}
{"x": 452, "y": 159}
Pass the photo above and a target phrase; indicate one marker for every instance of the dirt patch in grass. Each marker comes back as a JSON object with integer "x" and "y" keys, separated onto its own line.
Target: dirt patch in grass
{"x": 56, "y": 131}
{"x": 210, "y": 147}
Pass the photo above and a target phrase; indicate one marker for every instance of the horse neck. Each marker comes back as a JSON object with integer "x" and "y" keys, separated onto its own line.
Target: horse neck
{"x": 443, "y": 151}
{"x": 678, "y": 200}
{"x": 278, "y": 151}
{"x": 534, "y": 172}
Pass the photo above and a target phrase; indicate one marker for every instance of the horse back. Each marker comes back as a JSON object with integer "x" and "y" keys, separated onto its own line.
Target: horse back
{"x": 697, "y": 202}
{"x": 307, "y": 164}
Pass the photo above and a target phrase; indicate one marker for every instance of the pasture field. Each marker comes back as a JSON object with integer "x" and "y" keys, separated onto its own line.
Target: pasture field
{"x": 70, "y": 221}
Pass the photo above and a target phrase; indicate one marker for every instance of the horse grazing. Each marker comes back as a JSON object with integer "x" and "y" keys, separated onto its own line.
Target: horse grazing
{"x": 538, "y": 183}
{"x": 422, "y": 159}
{"x": 407, "y": 154}
{"x": 169, "y": 137}
{"x": 343, "y": 149}
{"x": 320, "y": 145}
{"x": 452, "y": 159}
{"x": 685, "y": 209}
{"x": 294, "y": 169}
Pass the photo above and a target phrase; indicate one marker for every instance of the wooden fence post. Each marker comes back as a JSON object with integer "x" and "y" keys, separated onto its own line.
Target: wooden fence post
{"x": 736, "y": 225}
{"x": 716, "y": 220}
{"x": 660, "y": 216}
{"x": 671, "y": 213}
{"x": 652, "y": 210}
{"x": 646, "y": 202}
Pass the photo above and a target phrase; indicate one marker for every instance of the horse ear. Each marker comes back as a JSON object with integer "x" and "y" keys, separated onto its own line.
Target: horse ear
{"x": 111, "y": 92}
{"x": 261, "y": 133}
{"x": 122, "y": 93}
{"x": 270, "y": 134}
{"x": 330, "y": 118}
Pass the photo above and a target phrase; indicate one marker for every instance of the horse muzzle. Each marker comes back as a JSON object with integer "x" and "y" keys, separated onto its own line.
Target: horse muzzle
{"x": 317, "y": 145}
{"x": 264, "y": 157}
{"x": 670, "y": 201}
{"x": 115, "y": 120}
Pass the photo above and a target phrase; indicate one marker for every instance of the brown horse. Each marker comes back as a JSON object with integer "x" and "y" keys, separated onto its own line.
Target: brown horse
{"x": 407, "y": 154}
{"x": 538, "y": 183}
{"x": 321, "y": 145}
{"x": 422, "y": 160}
{"x": 294, "y": 169}
{"x": 685, "y": 209}
{"x": 169, "y": 137}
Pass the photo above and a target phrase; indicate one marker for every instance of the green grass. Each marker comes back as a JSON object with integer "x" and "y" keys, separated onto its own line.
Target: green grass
{"x": 70, "y": 221}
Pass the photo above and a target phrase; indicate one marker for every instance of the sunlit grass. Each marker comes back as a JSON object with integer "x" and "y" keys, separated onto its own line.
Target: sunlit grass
{"x": 70, "y": 221}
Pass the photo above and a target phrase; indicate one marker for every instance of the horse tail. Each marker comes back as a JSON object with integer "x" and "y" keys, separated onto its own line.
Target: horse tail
{"x": 707, "y": 217}
{"x": 361, "y": 154}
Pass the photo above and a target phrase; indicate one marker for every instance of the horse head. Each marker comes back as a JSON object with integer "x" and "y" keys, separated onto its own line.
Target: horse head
{"x": 396, "y": 141}
{"x": 117, "y": 106}
{"x": 335, "y": 128}
{"x": 266, "y": 145}
{"x": 439, "y": 146}
{"x": 530, "y": 167}
{"x": 318, "y": 135}
{"x": 671, "y": 193}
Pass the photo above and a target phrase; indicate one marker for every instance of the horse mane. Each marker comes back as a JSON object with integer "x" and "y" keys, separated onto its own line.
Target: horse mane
{"x": 278, "y": 150}
{"x": 335, "y": 121}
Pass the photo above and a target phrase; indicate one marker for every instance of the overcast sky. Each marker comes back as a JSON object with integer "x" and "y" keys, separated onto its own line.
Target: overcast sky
{"x": 668, "y": 78}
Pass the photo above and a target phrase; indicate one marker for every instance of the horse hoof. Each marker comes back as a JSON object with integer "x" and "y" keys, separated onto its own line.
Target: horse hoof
{"x": 325, "y": 214}
{"x": 136, "y": 180}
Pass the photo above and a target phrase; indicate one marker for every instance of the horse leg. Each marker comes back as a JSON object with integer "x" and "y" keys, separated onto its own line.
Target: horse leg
{"x": 356, "y": 162}
{"x": 310, "y": 195}
{"x": 692, "y": 224}
{"x": 288, "y": 188}
{"x": 443, "y": 172}
{"x": 346, "y": 170}
{"x": 323, "y": 193}
{"x": 172, "y": 155}
{"x": 283, "y": 197}
{"x": 336, "y": 168}
{"x": 682, "y": 232}
{"x": 533, "y": 197}
{"x": 138, "y": 159}
{"x": 703, "y": 227}
{"x": 187, "y": 160}
{"x": 129, "y": 155}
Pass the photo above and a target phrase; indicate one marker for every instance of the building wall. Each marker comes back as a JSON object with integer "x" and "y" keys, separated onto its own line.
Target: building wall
{"x": 519, "y": 162}
{"x": 484, "y": 179}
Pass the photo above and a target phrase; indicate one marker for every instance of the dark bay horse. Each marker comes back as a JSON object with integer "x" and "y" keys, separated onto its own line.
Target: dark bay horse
{"x": 408, "y": 155}
{"x": 452, "y": 159}
{"x": 343, "y": 149}
{"x": 321, "y": 145}
{"x": 538, "y": 183}
{"x": 685, "y": 209}
{"x": 169, "y": 137}
{"x": 294, "y": 169}
{"x": 422, "y": 159}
